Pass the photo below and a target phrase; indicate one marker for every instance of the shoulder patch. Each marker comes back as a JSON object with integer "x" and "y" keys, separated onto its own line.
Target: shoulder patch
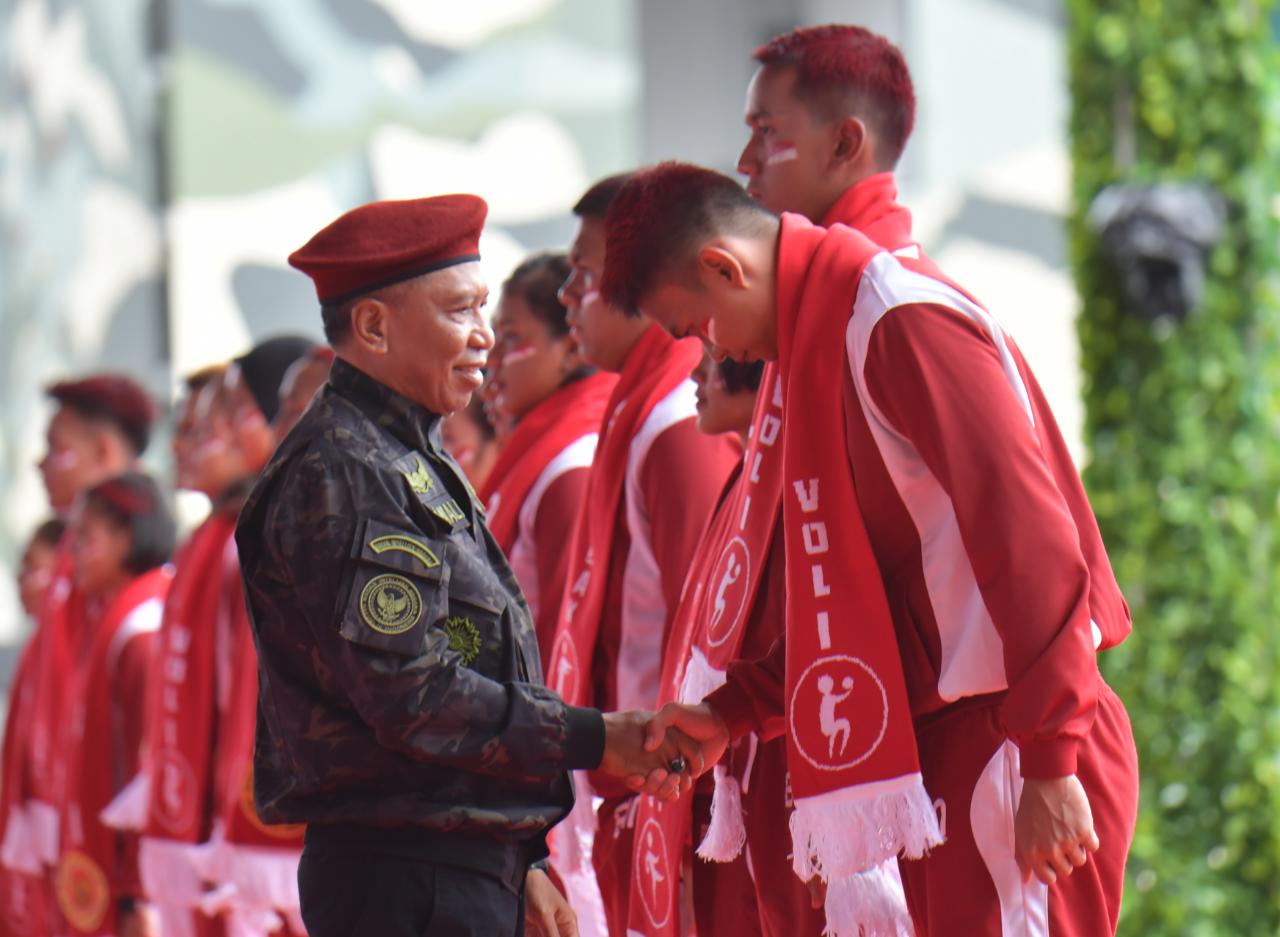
{"x": 464, "y": 638}
{"x": 419, "y": 479}
{"x": 405, "y": 544}
{"x": 448, "y": 511}
{"x": 390, "y": 604}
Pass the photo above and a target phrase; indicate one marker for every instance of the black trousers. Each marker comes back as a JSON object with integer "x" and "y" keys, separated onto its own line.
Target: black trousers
{"x": 350, "y": 890}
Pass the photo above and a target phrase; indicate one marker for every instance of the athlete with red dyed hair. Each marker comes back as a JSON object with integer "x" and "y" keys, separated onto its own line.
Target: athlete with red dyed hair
{"x": 830, "y": 110}
{"x": 939, "y": 674}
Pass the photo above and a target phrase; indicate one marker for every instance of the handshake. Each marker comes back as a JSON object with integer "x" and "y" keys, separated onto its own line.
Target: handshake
{"x": 662, "y": 753}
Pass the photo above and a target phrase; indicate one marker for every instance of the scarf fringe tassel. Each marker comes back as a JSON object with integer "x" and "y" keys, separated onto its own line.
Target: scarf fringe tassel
{"x": 849, "y": 841}
{"x": 869, "y": 904}
{"x": 726, "y": 831}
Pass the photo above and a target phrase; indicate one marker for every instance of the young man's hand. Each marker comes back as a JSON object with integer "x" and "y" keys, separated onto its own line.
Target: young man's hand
{"x": 1053, "y": 831}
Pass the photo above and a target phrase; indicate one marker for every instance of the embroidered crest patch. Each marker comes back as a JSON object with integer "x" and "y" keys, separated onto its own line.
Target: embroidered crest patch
{"x": 82, "y": 890}
{"x": 419, "y": 479}
{"x": 390, "y": 604}
{"x": 403, "y": 544}
{"x": 464, "y": 638}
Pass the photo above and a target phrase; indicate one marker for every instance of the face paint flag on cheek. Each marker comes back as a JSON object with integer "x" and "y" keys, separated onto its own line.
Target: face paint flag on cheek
{"x": 524, "y": 351}
{"x": 784, "y": 151}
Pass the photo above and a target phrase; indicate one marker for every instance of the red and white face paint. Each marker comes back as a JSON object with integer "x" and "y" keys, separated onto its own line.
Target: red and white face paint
{"x": 516, "y": 355}
{"x": 780, "y": 151}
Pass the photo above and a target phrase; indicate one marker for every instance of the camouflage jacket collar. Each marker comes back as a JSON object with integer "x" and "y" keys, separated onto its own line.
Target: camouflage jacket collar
{"x": 414, "y": 425}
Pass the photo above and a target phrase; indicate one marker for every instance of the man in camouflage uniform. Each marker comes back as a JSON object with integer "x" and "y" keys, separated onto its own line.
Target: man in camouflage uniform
{"x": 402, "y": 714}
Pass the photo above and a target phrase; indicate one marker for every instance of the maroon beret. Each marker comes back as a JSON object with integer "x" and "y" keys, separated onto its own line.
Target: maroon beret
{"x": 383, "y": 243}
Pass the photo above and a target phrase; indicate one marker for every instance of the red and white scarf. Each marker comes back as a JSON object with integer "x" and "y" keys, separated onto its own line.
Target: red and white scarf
{"x": 655, "y": 367}
{"x": 88, "y": 873}
{"x": 573, "y": 411}
{"x": 62, "y": 629}
{"x": 855, "y": 774}
{"x": 254, "y": 864}
{"x": 24, "y": 888}
{"x": 181, "y": 723}
{"x": 707, "y": 634}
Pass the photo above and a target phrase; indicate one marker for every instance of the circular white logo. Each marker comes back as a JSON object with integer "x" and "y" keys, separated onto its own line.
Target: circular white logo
{"x": 730, "y": 580}
{"x": 852, "y": 710}
{"x": 653, "y": 872}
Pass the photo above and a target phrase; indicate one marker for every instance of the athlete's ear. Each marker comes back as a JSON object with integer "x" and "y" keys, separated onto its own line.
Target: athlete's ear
{"x": 719, "y": 267}
{"x": 851, "y": 138}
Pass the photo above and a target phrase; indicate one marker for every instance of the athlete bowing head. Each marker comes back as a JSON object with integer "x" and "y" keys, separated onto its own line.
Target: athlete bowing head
{"x": 688, "y": 248}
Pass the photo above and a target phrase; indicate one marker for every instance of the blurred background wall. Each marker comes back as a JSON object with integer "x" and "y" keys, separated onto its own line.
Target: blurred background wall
{"x": 159, "y": 159}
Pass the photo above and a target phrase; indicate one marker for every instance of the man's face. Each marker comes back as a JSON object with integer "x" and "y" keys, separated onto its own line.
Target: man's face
{"x": 731, "y": 323}
{"x": 788, "y": 157}
{"x": 73, "y": 458}
{"x": 438, "y": 339}
{"x": 604, "y": 334}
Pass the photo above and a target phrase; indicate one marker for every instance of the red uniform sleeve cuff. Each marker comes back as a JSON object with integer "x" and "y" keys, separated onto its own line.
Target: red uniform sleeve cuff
{"x": 733, "y": 705}
{"x": 1048, "y": 758}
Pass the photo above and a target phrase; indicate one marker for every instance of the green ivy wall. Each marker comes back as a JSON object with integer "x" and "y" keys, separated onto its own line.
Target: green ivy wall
{"x": 1183, "y": 427}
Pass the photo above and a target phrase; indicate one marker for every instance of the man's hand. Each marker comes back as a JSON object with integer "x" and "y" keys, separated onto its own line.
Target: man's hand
{"x": 698, "y": 723}
{"x": 546, "y": 912}
{"x": 648, "y": 769}
{"x": 1053, "y": 831}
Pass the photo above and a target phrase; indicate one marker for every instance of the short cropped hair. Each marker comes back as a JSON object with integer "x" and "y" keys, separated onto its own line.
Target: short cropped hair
{"x": 741, "y": 377}
{"x": 660, "y": 216}
{"x": 595, "y": 202}
{"x": 537, "y": 281}
{"x": 844, "y": 69}
{"x": 133, "y": 502}
{"x": 111, "y": 400}
{"x": 49, "y": 533}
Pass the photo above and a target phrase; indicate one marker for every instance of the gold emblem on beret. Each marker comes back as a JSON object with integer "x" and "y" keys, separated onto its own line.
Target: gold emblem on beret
{"x": 390, "y": 604}
{"x": 419, "y": 479}
{"x": 464, "y": 638}
{"x": 82, "y": 891}
{"x": 403, "y": 544}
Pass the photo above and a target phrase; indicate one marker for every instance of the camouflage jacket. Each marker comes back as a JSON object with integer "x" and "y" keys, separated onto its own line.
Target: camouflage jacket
{"x": 399, "y": 673}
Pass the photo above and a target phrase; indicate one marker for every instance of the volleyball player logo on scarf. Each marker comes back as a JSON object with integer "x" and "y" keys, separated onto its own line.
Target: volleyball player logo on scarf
{"x": 656, "y": 366}
{"x": 851, "y": 749}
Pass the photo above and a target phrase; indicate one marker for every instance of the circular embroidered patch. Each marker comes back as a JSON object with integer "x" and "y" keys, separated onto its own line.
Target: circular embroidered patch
{"x": 464, "y": 638}
{"x": 82, "y": 890}
{"x": 390, "y": 604}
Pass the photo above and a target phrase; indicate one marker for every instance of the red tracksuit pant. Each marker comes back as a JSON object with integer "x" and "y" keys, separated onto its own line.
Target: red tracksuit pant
{"x": 970, "y": 886}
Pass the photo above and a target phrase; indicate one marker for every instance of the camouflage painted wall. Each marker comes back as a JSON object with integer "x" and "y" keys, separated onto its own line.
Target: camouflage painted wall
{"x": 273, "y": 117}
{"x": 287, "y": 112}
{"x": 80, "y": 236}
